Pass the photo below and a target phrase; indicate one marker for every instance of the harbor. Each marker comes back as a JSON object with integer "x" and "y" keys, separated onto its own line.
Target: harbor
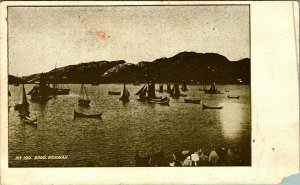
{"x": 126, "y": 127}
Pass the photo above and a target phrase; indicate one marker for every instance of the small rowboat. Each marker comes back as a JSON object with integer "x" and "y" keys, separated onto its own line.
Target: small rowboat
{"x": 30, "y": 121}
{"x": 81, "y": 115}
{"x": 234, "y": 97}
{"x": 114, "y": 93}
{"x": 211, "y": 107}
{"x": 162, "y": 101}
{"x": 192, "y": 101}
{"x": 183, "y": 95}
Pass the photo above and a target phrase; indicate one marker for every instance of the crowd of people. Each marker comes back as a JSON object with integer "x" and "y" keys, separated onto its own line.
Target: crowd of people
{"x": 217, "y": 157}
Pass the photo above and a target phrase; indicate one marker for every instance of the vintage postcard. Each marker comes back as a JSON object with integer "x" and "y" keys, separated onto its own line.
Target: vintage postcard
{"x": 149, "y": 92}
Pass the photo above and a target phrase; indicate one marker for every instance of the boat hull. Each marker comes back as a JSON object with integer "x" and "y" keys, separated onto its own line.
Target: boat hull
{"x": 84, "y": 103}
{"x": 124, "y": 99}
{"x": 192, "y": 101}
{"x": 233, "y": 97}
{"x": 114, "y": 93}
{"x": 28, "y": 120}
{"x": 211, "y": 107}
{"x": 163, "y": 101}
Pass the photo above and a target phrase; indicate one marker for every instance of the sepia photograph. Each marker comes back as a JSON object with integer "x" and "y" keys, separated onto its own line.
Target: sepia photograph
{"x": 159, "y": 92}
{"x": 129, "y": 86}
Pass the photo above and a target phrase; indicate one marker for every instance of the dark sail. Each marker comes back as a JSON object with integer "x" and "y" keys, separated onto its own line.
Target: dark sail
{"x": 84, "y": 100}
{"x": 23, "y": 107}
{"x": 161, "y": 88}
{"x": 175, "y": 92}
{"x": 151, "y": 91}
{"x": 24, "y": 98}
{"x": 125, "y": 96}
{"x": 141, "y": 90}
{"x": 143, "y": 94}
{"x": 212, "y": 89}
{"x": 184, "y": 87}
{"x": 169, "y": 88}
{"x": 40, "y": 92}
{"x": 172, "y": 91}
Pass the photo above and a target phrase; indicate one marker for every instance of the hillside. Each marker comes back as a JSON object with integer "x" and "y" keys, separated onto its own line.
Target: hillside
{"x": 187, "y": 66}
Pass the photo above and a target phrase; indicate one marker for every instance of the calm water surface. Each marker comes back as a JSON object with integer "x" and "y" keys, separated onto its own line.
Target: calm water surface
{"x": 124, "y": 128}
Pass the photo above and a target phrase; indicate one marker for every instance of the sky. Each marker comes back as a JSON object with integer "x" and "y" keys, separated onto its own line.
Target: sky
{"x": 40, "y": 37}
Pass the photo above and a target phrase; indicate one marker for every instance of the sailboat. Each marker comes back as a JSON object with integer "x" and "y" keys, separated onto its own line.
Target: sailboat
{"x": 147, "y": 93}
{"x": 212, "y": 89}
{"x": 55, "y": 89}
{"x": 169, "y": 88}
{"x": 161, "y": 88}
{"x": 125, "y": 96}
{"x": 41, "y": 91}
{"x": 184, "y": 86}
{"x": 142, "y": 93}
{"x": 84, "y": 100}
{"x": 23, "y": 105}
{"x": 175, "y": 92}
{"x": 23, "y": 109}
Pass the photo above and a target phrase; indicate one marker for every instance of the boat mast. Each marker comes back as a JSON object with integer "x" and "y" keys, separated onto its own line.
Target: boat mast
{"x": 54, "y": 83}
{"x": 85, "y": 94}
{"x": 24, "y": 98}
{"x": 81, "y": 92}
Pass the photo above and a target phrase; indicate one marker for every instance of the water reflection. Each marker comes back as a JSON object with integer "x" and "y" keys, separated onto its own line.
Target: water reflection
{"x": 231, "y": 118}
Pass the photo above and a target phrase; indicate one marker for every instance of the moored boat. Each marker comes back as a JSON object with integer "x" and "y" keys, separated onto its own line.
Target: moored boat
{"x": 161, "y": 88}
{"x": 161, "y": 101}
{"x": 147, "y": 93}
{"x": 233, "y": 97}
{"x": 211, "y": 107}
{"x": 175, "y": 92}
{"x": 23, "y": 105}
{"x": 41, "y": 92}
{"x": 114, "y": 93}
{"x": 125, "y": 96}
{"x": 81, "y": 115}
{"x": 184, "y": 86}
{"x": 196, "y": 101}
{"x": 84, "y": 100}
{"x": 28, "y": 120}
{"x": 23, "y": 109}
{"x": 169, "y": 88}
{"x": 212, "y": 89}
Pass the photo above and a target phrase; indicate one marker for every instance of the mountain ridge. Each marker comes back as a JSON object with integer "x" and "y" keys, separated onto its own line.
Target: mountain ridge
{"x": 185, "y": 66}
